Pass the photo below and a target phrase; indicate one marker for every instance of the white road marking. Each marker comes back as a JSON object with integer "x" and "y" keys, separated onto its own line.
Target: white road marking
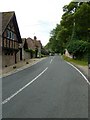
{"x": 52, "y": 60}
{"x": 9, "y": 98}
{"x": 53, "y": 57}
{"x": 80, "y": 73}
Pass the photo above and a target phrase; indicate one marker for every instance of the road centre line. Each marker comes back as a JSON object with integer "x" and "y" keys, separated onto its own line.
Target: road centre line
{"x": 53, "y": 57}
{"x": 9, "y": 98}
{"x": 79, "y": 72}
{"x": 52, "y": 60}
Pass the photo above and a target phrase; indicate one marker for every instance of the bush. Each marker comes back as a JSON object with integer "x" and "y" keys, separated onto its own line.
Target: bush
{"x": 78, "y": 48}
{"x": 30, "y": 50}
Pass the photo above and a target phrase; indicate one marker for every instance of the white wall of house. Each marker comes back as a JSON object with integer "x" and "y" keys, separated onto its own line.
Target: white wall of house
{"x": 67, "y": 54}
{"x": 39, "y": 52}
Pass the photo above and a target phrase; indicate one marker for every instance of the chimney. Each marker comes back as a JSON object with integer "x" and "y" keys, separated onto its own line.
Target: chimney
{"x": 35, "y": 37}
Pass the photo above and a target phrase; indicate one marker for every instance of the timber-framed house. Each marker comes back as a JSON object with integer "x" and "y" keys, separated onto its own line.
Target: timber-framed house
{"x": 11, "y": 39}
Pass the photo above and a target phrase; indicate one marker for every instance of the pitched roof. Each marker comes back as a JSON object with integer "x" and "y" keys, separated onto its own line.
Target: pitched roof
{"x": 30, "y": 42}
{"x": 37, "y": 43}
{"x": 6, "y": 17}
{"x": 29, "y": 38}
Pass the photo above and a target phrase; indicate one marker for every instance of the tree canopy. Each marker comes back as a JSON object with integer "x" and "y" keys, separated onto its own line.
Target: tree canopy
{"x": 73, "y": 32}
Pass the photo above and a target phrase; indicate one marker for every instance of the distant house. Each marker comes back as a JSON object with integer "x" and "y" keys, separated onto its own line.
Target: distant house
{"x": 11, "y": 40}
{"x": 32, "y": 45}
{"x": 25, "y": 54}
{"x": 39, "y": 48}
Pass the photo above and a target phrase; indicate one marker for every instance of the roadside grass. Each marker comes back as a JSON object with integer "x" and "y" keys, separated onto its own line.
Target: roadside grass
{"x": 75, "y": 61}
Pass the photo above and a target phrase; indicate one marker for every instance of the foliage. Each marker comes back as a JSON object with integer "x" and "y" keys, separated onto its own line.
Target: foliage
{"x": 78, "y": 48}
{"x": 30, "y": 50}
{"x": 78, "y": 62}
{"x": 73, "y": 31}
{"x": 44, "y": 51}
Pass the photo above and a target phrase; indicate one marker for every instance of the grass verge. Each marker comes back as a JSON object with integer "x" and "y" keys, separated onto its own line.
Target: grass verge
{"x": 78, "y": 62}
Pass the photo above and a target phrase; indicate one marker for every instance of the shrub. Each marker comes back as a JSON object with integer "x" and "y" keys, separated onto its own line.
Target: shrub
{"x": 78, "y": 48}
{"x": 30, "y": 50}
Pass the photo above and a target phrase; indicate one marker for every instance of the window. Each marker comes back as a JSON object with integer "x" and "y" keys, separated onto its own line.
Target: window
{"x": 13, "y": 36}
{"x": 10, "y": 35}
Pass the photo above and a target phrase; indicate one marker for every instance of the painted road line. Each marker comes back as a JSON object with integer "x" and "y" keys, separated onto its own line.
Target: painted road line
{"x": 52, "y": 60}
{"x": 80, "y": 72}
{"x": 9, "y": 98}
{"x": 53, "y": 57}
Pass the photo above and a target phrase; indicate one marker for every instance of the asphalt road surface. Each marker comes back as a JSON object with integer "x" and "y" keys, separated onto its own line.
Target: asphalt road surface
{"x": 49, "y": 89}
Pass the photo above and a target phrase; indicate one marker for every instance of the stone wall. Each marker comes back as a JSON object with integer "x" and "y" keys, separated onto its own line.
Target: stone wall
{"x": 25, "y": 55}
{"x": 8, "y": 60}
{"x": 18, "y": 56}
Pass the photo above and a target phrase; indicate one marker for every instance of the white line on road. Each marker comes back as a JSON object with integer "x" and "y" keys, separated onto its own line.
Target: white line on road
{"x": 80, "y": 73}
{"x": 52, "y": 60}
{"x": 53, "y": 57}
{"x": 9, "y": 98}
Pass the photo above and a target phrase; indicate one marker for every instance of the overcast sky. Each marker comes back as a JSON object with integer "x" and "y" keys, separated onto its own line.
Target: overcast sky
{"x": 35, "y": 17}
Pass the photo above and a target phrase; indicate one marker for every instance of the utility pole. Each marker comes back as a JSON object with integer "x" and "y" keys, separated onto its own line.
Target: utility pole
{"x": 73, "y": 37}
{"x": 73, "y": 31}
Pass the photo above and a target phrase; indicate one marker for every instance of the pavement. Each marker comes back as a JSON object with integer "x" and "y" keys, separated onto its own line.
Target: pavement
{"x": 19, "y": 66}
{"x": 49, "y": 89}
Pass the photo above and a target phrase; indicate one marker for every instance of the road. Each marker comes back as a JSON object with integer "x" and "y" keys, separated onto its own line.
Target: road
{"x": 49, "y": 89}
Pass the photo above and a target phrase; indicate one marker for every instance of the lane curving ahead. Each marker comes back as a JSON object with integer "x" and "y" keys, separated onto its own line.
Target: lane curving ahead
{"x": 60, "y": 92}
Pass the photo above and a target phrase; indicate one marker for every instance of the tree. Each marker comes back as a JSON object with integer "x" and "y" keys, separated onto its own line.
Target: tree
{"x": 78, "y": 48}
{"x": 73, "y": 30}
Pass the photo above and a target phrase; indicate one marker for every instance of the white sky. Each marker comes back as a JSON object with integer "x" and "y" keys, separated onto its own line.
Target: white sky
{"x": 35, "y": 17}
